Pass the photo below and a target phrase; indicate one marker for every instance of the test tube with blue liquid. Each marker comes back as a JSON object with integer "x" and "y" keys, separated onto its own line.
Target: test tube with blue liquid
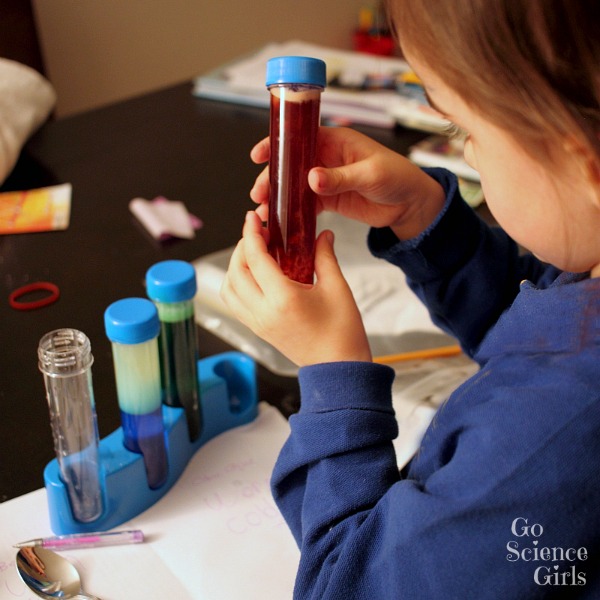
{"x": 171, "y": 284}
{"x": 132, "y": 326}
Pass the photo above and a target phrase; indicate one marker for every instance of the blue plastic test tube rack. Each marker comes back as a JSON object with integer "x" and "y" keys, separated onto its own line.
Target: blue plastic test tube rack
{"x": 229, "y": 399}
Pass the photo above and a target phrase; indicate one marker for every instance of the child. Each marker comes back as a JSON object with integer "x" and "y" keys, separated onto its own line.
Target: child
{"x": 503, "y": 498}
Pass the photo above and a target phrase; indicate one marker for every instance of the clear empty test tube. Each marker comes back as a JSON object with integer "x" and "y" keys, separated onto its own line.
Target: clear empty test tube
{"x": 171, "y": 285}
{"x": 295, "y": 84}
{"x": 65, "y": 359}
{"x": 132, "y": 326}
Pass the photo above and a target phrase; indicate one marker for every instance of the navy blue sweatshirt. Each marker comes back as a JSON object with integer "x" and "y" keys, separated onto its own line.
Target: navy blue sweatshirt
{"x": 502, "y": 499}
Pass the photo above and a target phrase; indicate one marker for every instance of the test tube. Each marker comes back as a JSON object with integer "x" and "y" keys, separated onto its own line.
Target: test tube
{"x": 65, "y": 359}
{"x": 295, "y": 84}
{"x": 132, "y": 326}
{"x": 171, "y": 285}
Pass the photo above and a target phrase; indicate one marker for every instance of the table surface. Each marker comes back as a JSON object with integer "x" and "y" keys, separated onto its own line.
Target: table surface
{"x": 167, "y": 143}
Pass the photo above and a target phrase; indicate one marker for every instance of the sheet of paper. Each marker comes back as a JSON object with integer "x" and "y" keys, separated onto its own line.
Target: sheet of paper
{"x": 216, "y": 535}
{"x": 419, "y": 389}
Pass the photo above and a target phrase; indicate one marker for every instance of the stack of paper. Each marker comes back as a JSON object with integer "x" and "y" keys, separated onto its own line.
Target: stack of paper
{"x": 243, "y": 82}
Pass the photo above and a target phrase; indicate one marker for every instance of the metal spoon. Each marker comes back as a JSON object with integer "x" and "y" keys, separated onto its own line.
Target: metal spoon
{"x": 50, "y": 575}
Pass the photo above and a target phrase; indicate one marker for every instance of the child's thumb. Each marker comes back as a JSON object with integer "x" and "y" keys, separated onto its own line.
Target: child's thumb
{"x": 326, "y": 264}
{"x": 337, "y": 180}
{"x": 327, "y": 181}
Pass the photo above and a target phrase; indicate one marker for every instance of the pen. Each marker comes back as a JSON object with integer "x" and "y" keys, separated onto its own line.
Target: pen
{"x": 85, "y": 540}
{"x": 439, "y": 352}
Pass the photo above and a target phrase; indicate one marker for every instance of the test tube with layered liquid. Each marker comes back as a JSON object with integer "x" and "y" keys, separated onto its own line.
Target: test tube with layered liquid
{"x": 295, "y": 84}
{"x": 65, "y": 359}
{"x": 132, "y": 326}
{"x": 171, "y": 285}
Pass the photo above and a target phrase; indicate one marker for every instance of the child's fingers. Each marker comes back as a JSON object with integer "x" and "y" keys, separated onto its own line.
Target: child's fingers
{"x": 253, "y": 226}
{"x": 327, "y": 268}
{"x": 260, "y": 190}
{"x": 239, "y": 289}
{"x": 324, "y": 253}
{"x": 263, "y": 213}
{"x": 261, "y": 152}
{"x": 263, "y": 266}
{"x": 233, "y": 301}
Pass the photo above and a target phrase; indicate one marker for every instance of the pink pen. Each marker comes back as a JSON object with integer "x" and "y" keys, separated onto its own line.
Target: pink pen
{"x": 86, "y": 540}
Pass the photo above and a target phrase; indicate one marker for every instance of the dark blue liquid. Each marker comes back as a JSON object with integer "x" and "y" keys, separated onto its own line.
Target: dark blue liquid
{"x": 145, "y": 434}
{"x": 178, "y": 368}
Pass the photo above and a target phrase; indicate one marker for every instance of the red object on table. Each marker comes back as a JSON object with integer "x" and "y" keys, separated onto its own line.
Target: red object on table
{"x": 383, "y": 45}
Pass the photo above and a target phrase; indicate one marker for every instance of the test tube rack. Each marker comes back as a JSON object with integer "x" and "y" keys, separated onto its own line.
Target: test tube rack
{"x": 229, "y": 398}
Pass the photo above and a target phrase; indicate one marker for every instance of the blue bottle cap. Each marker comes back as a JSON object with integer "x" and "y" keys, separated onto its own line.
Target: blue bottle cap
{"x": 131, "y": 321}
{"x": 171, "y": 281}
{"x": 296, "y": 69}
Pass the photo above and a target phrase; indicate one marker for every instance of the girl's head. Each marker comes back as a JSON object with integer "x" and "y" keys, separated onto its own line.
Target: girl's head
{"x": 522, "y": 77}
{"x": 529, "y": 66}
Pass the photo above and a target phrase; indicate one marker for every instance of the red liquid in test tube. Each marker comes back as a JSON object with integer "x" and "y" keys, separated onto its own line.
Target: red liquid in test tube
{"x": 295, "y": 84}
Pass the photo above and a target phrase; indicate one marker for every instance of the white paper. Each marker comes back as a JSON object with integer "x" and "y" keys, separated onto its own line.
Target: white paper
{"x": 216, "y": 535}
{"x": 419, "y": 389}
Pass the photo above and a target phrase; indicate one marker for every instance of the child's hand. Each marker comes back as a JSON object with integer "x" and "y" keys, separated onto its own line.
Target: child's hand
{"x": 363, "y": 180}
{"x": 307, "y": 323}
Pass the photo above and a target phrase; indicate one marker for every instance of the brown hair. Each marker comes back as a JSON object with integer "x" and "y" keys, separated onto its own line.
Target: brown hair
{"x": 529, "y": 66}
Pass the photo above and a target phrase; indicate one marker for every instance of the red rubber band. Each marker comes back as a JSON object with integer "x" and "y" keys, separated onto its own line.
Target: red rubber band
{"x": 34, "y": 287}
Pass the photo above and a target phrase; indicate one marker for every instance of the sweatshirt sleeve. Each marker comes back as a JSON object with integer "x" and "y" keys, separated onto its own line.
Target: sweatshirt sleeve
{"x": 443, "y": 531}
{"x": 346, "y": 421}
{"x": 360, "y": 395}
{"x": 465, "y": 272}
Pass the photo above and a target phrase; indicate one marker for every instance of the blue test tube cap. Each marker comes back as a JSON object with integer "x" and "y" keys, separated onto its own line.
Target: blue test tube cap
{"x": 296, "y": 69}
{"x": 171, "y": 281}
{"x": 131, "y": 321}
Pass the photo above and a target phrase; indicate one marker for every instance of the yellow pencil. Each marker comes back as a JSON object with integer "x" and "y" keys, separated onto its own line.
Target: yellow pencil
{"x": 440, "y": 352}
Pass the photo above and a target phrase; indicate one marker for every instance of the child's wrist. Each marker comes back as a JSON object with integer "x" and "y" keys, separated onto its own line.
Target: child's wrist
{"x": 422, "y": 212}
